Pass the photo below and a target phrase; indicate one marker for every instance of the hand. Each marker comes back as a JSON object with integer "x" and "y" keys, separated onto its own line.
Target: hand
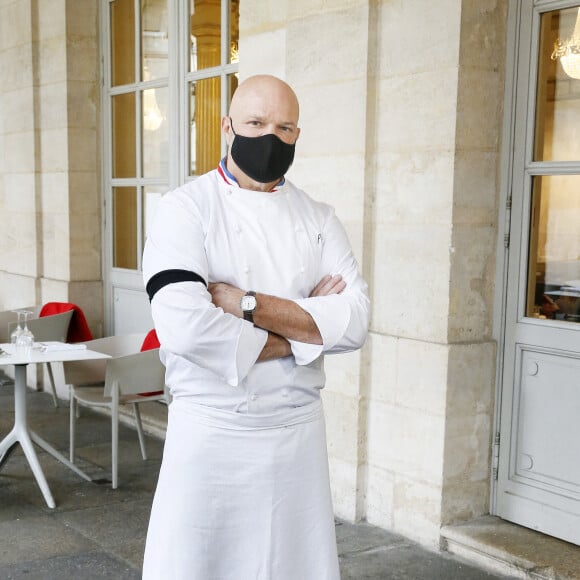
{"x": 329, "y": 285}
{"x": 227, "y": 297}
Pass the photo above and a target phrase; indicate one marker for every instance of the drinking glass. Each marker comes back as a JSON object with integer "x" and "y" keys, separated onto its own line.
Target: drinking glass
{"x": 25, "y": 339}
{"x": 18, "y": 330}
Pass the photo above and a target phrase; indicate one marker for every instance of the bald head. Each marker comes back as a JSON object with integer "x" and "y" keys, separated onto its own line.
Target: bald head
{"x": 265, "y": 93}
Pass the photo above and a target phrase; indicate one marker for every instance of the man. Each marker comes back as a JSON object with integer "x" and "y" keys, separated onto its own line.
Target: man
{"x": 251, "y": 283}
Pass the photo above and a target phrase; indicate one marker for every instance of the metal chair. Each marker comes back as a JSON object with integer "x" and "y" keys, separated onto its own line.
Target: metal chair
{"x": 130, "y": 377}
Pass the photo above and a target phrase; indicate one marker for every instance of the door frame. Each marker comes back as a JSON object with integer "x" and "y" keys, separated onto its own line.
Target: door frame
{"x": 522, "y": 40}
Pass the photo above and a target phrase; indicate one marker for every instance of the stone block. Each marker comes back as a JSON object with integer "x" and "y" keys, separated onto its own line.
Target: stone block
{"x": 16, "y": 67}
{"x": 17, "y": 107}
{"x": 52, "y": 14}
{"x": 85, "y": 247}
{"x": 83, "y": 60}
{"x": 414, "y": 187}
{"x": 82, "y": 100}
{"x": 468, "y": 449}
{"x": 14, "y": 24}
{"x": 479, "y": 110}
{"x": 464, "y": 501}
{"x": 84, "y": 153}
{"x": 412, "y": 272}
{"x": 319, "y": 40}
{"x": 483, "y": 34}
{"x": 52, "y": 62}
{"x": 418, "y": 112}
{"x": 82, "y": 18}
{"x": 342, "y": 425}
{"x": 471, "y": 380}
{"x": 19, "y": 152}
{"x": 18, "y": 244}
{"x": 16, "y": 291}
{"x": 475, "y": 193}
{"x": 343, "y": 484}
{"x": 422, "y": 376}
{"x": 254, "y": 59}
{"x": 84, "y": 196}
{"x": 55, "y": 191}
{"x": 259, "y": 15}
{"x": 379, "y": 497}
{"x": 54, "y": 153}
{"x": 53, "y": 106}
{"x": 472, "y": 283}
{"x": 343, "y": 374}
{"x": 384, "y": 360}
{"x": 307, "y": 8}
{"x": 333, "y": 179}
{"x": 19, "y": 193}
{"x": 341, "y": 121}
{"x": 56, "y": 245}
{"x": 417, "y": 510}
{"x": 415, "y": 37}
{"x": 408, "y": 442}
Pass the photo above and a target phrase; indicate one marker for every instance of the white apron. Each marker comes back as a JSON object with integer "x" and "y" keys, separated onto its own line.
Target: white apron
{"x": 242, "y": 497}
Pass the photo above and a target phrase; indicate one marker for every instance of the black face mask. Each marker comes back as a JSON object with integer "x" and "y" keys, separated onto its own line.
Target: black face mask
{"x": 264, "y": 159}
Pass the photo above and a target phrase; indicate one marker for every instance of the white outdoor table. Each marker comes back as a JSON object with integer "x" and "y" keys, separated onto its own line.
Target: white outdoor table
{"x": 20, "y": 433}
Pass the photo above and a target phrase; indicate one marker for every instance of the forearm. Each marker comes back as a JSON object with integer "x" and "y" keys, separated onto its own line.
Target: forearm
{"x": 286, "y": 319}
{"x": 276, "y": 347}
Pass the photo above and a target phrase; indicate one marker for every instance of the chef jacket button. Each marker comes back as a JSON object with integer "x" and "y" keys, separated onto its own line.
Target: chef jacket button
{"x": 246, "y": 269}
{"x": 302, "y": 269}
{"x": 238, "y": 230}
{"x": 285, "y": 392}
{"x": 254, "y": 397}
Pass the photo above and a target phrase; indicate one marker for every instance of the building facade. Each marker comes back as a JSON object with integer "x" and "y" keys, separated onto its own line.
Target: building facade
{"x": 446, "y": 136}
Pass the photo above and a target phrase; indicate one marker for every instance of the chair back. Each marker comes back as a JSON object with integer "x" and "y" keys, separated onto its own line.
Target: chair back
{"x": 92, "y": 372}
{"x": 48, "y": 327}
{"x": 137, "y": 373}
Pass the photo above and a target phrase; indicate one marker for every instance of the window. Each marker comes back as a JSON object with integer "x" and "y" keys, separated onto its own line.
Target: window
{"x": 166, "y": 87}
{"x": 554, "y": 263}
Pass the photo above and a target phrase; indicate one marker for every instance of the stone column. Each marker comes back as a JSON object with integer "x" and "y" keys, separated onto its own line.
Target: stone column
{"x": 205, "y": 26}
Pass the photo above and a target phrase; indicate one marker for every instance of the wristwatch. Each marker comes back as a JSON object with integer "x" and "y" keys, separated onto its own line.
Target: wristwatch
{"x": 248, "y": 304}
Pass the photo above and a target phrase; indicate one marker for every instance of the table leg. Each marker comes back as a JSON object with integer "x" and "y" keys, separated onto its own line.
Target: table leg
{"x": 20, "y": 434}
{"x": 7, "y": 447}
{"x": 50, "y": 449}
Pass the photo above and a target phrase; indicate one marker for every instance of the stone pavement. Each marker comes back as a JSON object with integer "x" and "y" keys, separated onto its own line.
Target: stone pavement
{"x": 96, "y": 532}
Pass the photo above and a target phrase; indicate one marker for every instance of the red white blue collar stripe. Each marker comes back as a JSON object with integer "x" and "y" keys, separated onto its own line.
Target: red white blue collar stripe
{"x": 231, "y": 180}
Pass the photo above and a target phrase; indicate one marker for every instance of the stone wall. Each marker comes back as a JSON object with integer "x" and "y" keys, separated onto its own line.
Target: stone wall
{"x": 400, "y": 117}
{"x": 50, "y": 240}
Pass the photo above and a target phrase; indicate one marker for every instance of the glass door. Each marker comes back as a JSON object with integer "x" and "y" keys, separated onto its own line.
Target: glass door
{"x": 169, "y": 69}
{"x": 539, "y": 472}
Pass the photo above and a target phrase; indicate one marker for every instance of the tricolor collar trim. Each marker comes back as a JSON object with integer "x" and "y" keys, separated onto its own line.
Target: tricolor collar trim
{"x": 231, "y": 180}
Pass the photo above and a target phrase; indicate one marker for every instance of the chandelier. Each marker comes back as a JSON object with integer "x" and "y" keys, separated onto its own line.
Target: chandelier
{"x": 568, "y": 51}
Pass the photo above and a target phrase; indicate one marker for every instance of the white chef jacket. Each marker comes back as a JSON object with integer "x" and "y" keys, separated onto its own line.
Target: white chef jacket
{"x": 280, "y": 243}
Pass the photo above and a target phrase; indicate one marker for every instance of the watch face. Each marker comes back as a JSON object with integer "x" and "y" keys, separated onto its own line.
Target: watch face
{"x": 248, "y": 303}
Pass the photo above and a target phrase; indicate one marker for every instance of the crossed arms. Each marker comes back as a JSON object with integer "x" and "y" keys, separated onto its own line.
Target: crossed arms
{"x": 283, "y": 319}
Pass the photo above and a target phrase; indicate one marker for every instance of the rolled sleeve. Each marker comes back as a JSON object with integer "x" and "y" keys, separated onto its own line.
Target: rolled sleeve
{"x": 331, "y": 318}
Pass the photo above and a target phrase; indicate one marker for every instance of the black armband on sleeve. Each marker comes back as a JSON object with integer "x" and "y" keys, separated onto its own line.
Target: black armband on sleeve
{"x": 166, "y": 277}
